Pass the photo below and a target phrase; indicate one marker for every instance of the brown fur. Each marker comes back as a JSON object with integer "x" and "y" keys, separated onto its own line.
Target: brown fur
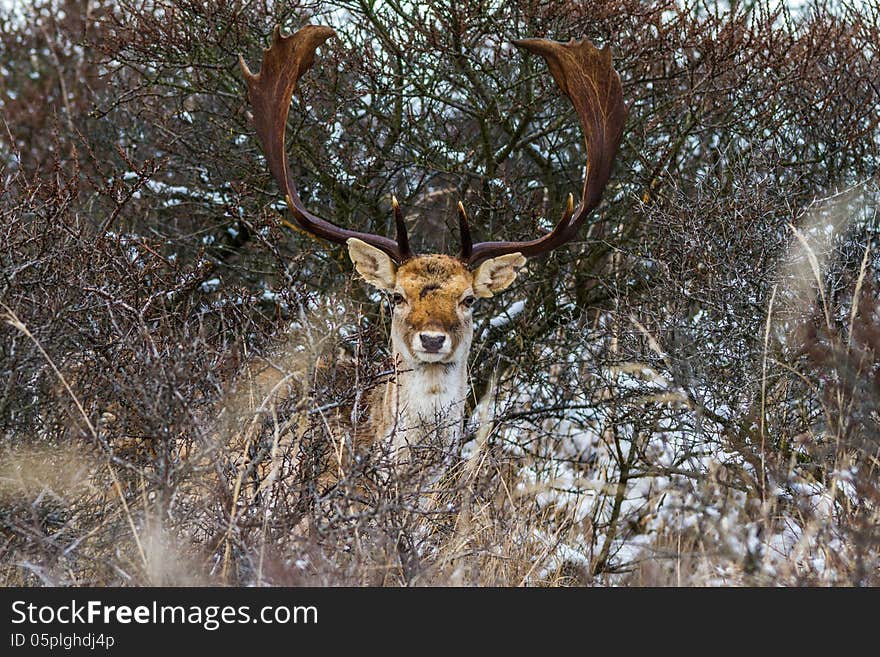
{"x": 431, "y": 334}
{"x": 433, "y": 286}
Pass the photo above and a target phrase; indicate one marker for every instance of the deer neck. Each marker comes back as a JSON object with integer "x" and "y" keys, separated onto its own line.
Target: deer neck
{"x": 425, "y": 399}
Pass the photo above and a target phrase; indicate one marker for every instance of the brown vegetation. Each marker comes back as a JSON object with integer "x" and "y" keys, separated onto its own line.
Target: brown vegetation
{"x": 686, "y": 394}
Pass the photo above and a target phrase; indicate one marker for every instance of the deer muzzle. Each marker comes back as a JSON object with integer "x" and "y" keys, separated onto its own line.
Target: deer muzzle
{"x": 431, "y": 346}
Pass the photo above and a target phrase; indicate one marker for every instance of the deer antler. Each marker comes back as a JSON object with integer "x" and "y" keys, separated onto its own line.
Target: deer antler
{"x": 269, "y": 92}
{"x": 586, "y": 76}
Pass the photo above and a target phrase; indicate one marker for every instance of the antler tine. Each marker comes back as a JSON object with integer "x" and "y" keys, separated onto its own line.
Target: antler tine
{"x": 269, "y": 92}
{"x": 464, "y": 230}
{"x": 400, "y": 226}
{"x": 586, "y": 75}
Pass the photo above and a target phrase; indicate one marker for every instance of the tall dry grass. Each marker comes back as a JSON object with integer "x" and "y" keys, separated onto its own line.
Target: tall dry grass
{"x": 685, "y": 396}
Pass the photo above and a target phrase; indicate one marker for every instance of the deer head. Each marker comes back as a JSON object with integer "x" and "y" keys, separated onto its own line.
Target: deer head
{"x": 433, "y": 298}
{"x": 433, "y": 294}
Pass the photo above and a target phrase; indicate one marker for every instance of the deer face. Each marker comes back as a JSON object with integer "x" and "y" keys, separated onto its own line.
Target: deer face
{"x": 433, "y": 297}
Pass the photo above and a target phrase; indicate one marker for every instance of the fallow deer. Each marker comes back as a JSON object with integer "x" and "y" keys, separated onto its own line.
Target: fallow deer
{"x": 433, "y": 295}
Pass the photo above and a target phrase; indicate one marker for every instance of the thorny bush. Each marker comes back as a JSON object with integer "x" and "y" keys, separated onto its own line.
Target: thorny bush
{"x": 685, "y": 395}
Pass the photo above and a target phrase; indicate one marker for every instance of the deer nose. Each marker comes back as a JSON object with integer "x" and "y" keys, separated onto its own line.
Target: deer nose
{"x": 432, "y": 342}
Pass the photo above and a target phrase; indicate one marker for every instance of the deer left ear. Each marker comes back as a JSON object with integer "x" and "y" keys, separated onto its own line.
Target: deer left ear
{"x": 497, "y": 274}
{"x": 371, "y": 263}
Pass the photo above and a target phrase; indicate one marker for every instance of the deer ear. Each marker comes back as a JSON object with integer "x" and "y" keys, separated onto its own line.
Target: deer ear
{"x": 371, "y": 263}
{"x": 497, "y": 274}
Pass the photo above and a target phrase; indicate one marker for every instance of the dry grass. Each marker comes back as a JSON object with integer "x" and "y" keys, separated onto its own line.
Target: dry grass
{"x": 246, "y": 504}
{"x": 687, "y": 397}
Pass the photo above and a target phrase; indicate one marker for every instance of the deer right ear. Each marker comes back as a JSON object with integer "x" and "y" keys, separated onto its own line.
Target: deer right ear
{"x": 373, "y": 264}
{"x": 497, "y": 274}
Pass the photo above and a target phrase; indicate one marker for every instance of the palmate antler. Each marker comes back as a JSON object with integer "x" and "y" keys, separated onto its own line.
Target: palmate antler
{"x": 586, "y": 76}
{"x": 583, "y": 73}
{"x": 269, "y": 92}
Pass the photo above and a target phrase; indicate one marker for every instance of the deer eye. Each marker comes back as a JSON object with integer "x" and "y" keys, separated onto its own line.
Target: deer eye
{"x": 397, "y": 299}
{"x": 469, "y": 301}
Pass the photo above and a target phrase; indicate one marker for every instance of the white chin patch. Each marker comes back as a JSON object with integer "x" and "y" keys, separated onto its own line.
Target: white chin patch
{"x": 429, "y": 356}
